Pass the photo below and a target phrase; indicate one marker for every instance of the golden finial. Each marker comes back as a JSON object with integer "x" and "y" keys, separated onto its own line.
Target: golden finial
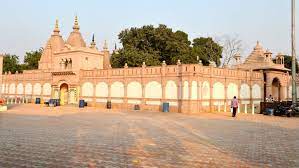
{"x": 76, "y": 20}
{"x": 76, "y": 24}
{"x": 56, "y": 30}
{"x": 56, "y": 24}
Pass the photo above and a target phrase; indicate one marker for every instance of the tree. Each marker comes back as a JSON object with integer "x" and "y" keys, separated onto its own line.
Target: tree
{"x": 31, "y": 59}
{"x": 11, "y": 63}
{"x": 151, "y": 45}
{"x": 133, "y": 58}
{"x": 288, "y": 63}
{"x": 207, "y": 50}
{"x": 231, "y": 46}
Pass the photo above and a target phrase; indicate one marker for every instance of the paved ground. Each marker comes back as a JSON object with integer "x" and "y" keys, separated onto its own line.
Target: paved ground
{"x": 34, "y": 136}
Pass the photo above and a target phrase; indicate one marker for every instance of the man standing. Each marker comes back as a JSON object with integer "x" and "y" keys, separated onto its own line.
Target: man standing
{"x": 235, "y": 105}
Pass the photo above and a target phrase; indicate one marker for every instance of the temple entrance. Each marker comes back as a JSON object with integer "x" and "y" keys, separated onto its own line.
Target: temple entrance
{"x": 276, "y": 89}
{"x": 64, "y": 94}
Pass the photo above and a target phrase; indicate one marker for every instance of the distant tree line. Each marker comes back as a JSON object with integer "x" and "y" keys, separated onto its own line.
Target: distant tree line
{"x": 11, "y": 63}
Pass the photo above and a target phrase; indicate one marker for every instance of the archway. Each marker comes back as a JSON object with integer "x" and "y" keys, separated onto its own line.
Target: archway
{"x": 64, "y": 94}
{"x": 276, "y": 89}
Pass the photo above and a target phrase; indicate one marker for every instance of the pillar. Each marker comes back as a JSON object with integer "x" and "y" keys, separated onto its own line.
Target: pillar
{"x": 283, "y": 94}
{"x": 225, "y": 96}
{"x": 94, "y": 99}
{"x": 180, "y": 95}
{"x": 211, "y": 95}
{"x": 109, "y": 91}
{"x": 125, "y": 98}
{"x": 143, "y": 101}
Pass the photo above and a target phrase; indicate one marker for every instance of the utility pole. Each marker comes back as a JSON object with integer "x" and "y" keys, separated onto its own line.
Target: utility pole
{"x": 294, "y": 94}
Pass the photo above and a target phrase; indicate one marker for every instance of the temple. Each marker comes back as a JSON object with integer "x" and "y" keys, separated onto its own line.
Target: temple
{"x": 71, "y": 70}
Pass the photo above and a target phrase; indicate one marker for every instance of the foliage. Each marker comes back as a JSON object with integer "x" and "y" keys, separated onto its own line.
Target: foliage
{"x": 11, "y": 63}
{"x": 288, "y": 63}
{"x": 156, "y": 44}
{"x": 207, "y": 50}
{"x": 31, "y": 59}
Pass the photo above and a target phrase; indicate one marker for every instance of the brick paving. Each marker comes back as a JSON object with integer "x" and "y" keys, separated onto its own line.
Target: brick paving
{"x": 35, "y": 136}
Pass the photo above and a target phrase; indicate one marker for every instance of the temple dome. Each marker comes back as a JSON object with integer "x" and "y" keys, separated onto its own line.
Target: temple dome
{"x": 75, "y": 39}
{"x": 55, "y": 42}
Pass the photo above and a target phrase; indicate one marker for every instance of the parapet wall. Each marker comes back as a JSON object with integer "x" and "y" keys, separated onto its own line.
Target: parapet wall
{"x": 188, "y": 88}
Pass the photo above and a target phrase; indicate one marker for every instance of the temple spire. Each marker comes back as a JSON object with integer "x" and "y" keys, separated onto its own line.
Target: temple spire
{"x": 76, "y": 26}
{"x": 105, "y": 45}
{"x": 56, "y": 30}
{"x": 93, "y": 43}
{"x": 258, "y": 46}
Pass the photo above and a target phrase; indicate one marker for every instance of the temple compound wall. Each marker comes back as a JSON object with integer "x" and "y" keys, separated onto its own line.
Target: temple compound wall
{"x": 70, "y": 70}
{"x": 188, "y": 88}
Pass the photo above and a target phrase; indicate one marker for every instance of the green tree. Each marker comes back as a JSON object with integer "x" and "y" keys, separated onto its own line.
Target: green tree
{"x": 156, "y": 44}
{"x": 207, "y": 50}
{"x": 151, "y": 45}
{"x": 31, "y": 59}
{"x": 288, "y": 63}
{"x": 133, "y": 58}
{"x": 11, "y": 63}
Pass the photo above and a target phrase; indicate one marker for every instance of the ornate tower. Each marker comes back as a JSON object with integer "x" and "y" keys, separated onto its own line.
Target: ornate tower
{"x": 54, "y": 44}
{"x": 106, "y": 61}
{"x": 93, "y": 43}
{"x": 75, "y": 39}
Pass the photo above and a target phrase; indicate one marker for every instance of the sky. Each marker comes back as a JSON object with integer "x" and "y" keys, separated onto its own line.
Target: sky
{"x": 27, "y": 25}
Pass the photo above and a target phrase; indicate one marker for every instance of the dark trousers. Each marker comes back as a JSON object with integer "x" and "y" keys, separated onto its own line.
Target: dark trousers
{"x": 235, "y": 111}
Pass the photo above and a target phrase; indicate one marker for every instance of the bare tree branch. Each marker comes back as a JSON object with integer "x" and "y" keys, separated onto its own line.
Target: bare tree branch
{"x": 232, "y": 45}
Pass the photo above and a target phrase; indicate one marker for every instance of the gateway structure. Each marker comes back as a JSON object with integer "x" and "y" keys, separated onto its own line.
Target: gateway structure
{"x": 72, "y": 70}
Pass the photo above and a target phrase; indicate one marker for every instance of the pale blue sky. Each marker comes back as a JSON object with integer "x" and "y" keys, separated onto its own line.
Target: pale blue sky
{"x": 27, "y": 24}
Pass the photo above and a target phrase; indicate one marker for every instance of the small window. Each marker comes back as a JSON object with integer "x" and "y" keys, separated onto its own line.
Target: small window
{"x": 86, "y": 58}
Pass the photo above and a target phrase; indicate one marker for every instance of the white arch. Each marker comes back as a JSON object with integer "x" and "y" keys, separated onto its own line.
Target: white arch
{"x": 218, "y": 91}
{"x": 102, "y": 89}
{"x": 194, "y": 90}
{"x": 134, "y": 90}
{"x": 47, "y": 89}
{"x": 28, "y": 89}
{"x": 20, "y": 89}
{"x": 87, "y": 89}
{"x": 171, "y": 90}
{"x": 12, "y": 88}
{"x": 232, "y": 90}
{"x": 37, "y": 89}
{"x": 153, "y": 90}
{"x": 256, "y": 92}
{"x": 205, "y": 90}
{"x": 245, "y": 91}
{"x": 186, "y": 90}
{"x": 117, "y": 89}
